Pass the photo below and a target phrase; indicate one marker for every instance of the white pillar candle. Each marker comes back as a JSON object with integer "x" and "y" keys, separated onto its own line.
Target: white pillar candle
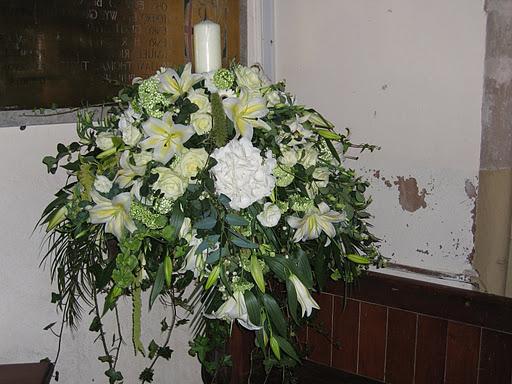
{"x": 207, "y": 51}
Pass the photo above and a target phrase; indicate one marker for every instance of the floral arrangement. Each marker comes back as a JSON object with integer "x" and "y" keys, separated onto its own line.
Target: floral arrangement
{"x": 216, "y": 193}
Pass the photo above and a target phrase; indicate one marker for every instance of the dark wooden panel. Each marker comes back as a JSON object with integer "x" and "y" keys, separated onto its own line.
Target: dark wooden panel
{"x": 30, "y": 373}
{"x": 372, "y": 340}
{"x": 320, "y": 331}
{"x": 495, "y": 357}
{"x": 455, "y": 304}
{"x": 345, "y": 335}
{"x": 311, "y": 373}
{"x": 462, "y": 350}
{"x": 401, "y": 344}
{"x": 430, "y": 350}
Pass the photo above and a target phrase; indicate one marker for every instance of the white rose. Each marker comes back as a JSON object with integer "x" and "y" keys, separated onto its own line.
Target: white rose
{"x": 192, "y": 162}
{"x": 131, "y": 134}
{"x": 242, "y": 174}
{"x": 102, "y": 184}
{"x": 273, "y": 98}
{"x": 201, "y": 122}
{"x": 142, "y": 158}
{"x": 248, "y": 77}
{"x": 322, "y": 176}
{"x": 201, "y": 100}
{"x": 104, "y": 141}
{"x": 309, "y": 157}
{"x": 172, "y": 185}
{"x": 289, "y": 157}
{"x": 270, "y": 215}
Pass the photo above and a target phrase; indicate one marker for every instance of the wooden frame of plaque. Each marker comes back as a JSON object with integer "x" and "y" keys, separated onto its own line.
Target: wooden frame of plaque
{"x": 58, "y": 55}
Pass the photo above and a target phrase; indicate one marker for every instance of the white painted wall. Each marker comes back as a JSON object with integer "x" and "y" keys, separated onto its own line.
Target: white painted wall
{"x": 26, "y": 188}
{"x": 406, "y": 75}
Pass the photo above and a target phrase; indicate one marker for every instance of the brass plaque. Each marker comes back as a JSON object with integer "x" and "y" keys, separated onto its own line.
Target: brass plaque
{"x": 68, "y": 53}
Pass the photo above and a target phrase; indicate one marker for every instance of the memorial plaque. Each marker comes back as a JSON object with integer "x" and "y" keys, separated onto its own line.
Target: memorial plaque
{"x": 68, "y": 53}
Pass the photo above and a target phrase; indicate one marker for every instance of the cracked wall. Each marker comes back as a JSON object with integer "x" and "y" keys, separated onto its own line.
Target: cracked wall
{"x": 405, "y": 75}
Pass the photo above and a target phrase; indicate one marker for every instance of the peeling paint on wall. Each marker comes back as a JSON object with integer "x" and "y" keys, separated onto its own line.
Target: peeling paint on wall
{"x": 410, "y": 198}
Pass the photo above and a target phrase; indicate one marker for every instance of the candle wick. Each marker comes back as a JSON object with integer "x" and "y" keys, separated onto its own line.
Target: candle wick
{"x": 205, "y": 15}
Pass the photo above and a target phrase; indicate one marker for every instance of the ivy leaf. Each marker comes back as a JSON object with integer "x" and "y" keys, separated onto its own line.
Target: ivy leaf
{"x": 147, "y": 375}
{"x": 165, "y": 352}
{"x": 113, "y": 375}
{"x": 105, "y": 359}
{"x": 51, "y": 164}
{"x": 153, "y": 348}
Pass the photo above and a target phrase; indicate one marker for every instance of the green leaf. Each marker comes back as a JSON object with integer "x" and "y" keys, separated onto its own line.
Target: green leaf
{"x": 328, "y": 134}
{"x": 177, "y": 217}
{"x": 275, "y": 314}
{"x": 212, "y": 278}
{"x": 274, "y": 345}
{"x": 219, "y": 130}
{"x": 95, "y": 324}
{"x": 358, "y": 259}
{"x": 241, "y": 241}
{"x": 292, "y": 300}
{"x": 147, "y": 375}
{"x": 113, "y": 375}
{"x": 206, "y": 223}
{"x": 168, "y": 270}
{"x": 105, "y": 359}
{"x": 253, "y": 307}
{"x": 51, "y": 164}
{"x": 56, "y": 297}
{"x": 235, "y": 220}
{"x": 287, "y": 348}
{"x": 280, "y": 266}
{"x": 333, "y": 150}
{"x": 136, "y": 320}
{"x": 157, "y": 285}
{"x": 153, "y": 348}
{"x": 165, "y": 352}
{"x": 304, "y": 269}
{"x": 169, "y": 233}
{"x": 257, "y": 273}
{"x": 49, "y": 326}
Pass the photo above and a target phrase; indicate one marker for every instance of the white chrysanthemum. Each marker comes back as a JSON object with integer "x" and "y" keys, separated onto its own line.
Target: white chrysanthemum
{"x": 242, "y": 174}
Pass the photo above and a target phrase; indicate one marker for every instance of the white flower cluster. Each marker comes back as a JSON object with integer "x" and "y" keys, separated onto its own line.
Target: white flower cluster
{"x": 242, "y": 174}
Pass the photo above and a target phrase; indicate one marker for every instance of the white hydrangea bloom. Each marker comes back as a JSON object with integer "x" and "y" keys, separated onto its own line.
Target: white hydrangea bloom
{"x": 242, "y": 174}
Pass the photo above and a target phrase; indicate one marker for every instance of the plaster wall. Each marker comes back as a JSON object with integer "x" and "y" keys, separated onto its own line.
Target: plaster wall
{"x": 406, "y": 75}
{"x": 25, "y": 291}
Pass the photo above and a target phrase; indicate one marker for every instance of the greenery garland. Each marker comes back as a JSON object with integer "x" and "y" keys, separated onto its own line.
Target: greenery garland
{"x": 216, "y": 193}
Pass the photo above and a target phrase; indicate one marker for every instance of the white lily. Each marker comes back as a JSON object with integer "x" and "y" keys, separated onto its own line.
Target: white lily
{"x": 234, "y": 308}
{"x": 115, "y": 213}
{"x": 176, "y": 85}
{"x": 164, "y": 137}
{"x": 128, "y": 171}
{"x": 193, "y": 261}
{"x": 314, "y": 222}
{"x": 246, "y": 112}
{"x": 307, "y": 303}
